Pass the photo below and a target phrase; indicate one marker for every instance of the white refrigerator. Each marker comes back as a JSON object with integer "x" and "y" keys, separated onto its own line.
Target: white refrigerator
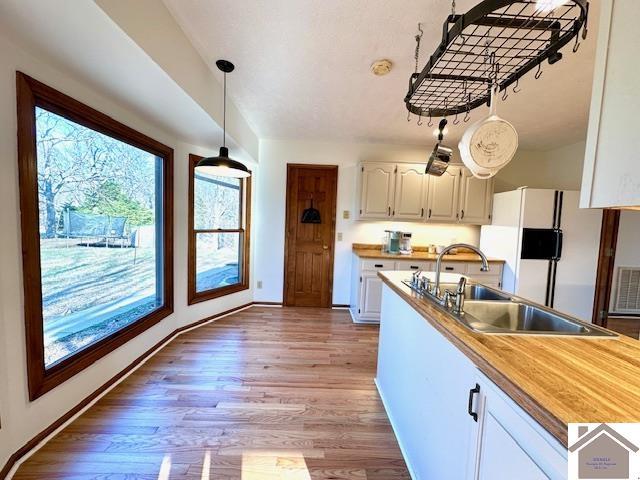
{"x": 550, "y": 247}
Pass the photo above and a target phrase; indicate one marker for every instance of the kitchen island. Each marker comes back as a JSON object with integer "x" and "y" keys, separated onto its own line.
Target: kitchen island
{"x": 473, "y": 405}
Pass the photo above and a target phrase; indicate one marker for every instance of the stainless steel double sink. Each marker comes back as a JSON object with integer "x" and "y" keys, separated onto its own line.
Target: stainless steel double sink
{"x": 487, "y": 310}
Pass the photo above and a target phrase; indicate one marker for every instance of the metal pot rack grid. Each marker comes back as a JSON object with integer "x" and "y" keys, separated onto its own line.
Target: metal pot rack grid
{"x": 493, "y": 44}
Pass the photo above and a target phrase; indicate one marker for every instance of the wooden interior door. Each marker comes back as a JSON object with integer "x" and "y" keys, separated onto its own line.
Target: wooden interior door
{"x": 309, "y": 247}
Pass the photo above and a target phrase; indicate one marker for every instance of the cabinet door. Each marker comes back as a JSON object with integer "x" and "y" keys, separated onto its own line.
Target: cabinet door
{"x": 502, "y": 458}
{"x": 442, "y": 196}
{"x": 610, "y": 176}
{"x": 511, "y": 444}
{"x": 409, "y": 192}
{"x": 377, "y": 183}
{"x": 476, "y": 196}
{"x": 370, "y": 296}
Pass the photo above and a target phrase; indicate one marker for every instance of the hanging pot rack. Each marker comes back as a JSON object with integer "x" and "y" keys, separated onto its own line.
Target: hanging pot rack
{"x": 493, "y": 44}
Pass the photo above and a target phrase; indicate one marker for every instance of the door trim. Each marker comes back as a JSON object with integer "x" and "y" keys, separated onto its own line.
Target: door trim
{"x": 310, "y": 166}
{"x": 606, "y": 263}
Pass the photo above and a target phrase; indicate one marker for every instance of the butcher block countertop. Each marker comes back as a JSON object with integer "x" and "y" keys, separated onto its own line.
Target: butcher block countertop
{"x": 557, "y": 380}
{"x": 419, "y": 253}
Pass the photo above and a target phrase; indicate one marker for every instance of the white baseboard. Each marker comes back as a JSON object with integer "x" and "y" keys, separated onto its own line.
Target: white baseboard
{"x": 363, "y": 321}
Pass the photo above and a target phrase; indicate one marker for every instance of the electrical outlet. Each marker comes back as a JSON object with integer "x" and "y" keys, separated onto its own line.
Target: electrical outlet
{"x": 339, "y": 236}
{"x": 259, "y": 284}
{"x": 346, "y": 214}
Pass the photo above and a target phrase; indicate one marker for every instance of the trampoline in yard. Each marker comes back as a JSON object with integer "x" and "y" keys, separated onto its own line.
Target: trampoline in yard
{"x": 103, "y": 229}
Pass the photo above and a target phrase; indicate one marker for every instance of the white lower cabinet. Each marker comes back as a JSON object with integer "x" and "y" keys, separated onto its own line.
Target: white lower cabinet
{"x": 451, "y": 421}
{"x": 366, "y": 286}
{"x": 510, "y": 443}
{"x": 370, "y": 295}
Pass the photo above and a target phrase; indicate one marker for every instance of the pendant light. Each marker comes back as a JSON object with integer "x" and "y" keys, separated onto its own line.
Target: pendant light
{"x": 222, "y": 165}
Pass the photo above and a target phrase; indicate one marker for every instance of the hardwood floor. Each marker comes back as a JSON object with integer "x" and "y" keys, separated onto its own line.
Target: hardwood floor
{"x": 264, "y": 394}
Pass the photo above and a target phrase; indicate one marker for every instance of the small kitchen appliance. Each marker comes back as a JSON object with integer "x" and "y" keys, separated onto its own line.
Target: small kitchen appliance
{"x": 393, "y": 241}
{"x": 397, "y": 242}
{"x": 405, "y": 243}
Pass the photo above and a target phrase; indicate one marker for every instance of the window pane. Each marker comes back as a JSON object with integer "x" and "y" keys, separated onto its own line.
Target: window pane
{"x": 216, "y": 202}
{"x": 100, "y": 234}
{"x": 217, "y": 260}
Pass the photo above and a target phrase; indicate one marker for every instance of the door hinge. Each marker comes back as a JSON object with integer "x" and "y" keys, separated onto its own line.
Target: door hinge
{"x": 360, "y": 211}
{"x": 362, "y": 169}
{"x": 603, "y": 314}
{"x": 395, "y": 170}
{"x": 360, "y": 279}
{"x": 358, "y": 310}
{"x": 609, "y": 252}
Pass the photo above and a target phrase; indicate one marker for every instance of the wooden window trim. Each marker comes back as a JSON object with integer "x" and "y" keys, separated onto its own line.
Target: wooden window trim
{"x": 245, "y": 210}
{"x": 32, "y": 93}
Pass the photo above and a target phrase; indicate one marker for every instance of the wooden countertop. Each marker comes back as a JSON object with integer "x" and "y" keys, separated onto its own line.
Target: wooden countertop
{"x": 557, "y": 380}
{"x": 419, "y": 253}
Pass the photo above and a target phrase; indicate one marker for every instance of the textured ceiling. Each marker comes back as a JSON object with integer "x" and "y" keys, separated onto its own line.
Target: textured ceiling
{"x": 303, "y": 69}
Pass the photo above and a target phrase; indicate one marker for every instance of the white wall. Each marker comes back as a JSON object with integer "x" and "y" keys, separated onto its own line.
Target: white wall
{"x": 560, "y": 168}
{"x": 271, "y": 191}
{"x": 21, "y": 419}
{"x": 627, "y": 251}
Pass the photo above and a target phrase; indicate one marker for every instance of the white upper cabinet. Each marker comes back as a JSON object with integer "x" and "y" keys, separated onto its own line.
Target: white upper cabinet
{"x": 410, "y": 192}
{"x": 378, "y": 182}
{"x": 403, "y": 192}
{"x": 476, "y": 196}
{"x": 611, "y": 175}
{"x": 442, "y": 196}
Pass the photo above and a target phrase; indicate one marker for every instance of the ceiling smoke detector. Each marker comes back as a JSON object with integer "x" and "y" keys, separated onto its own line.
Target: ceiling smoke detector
{"x": 381, "y": 67}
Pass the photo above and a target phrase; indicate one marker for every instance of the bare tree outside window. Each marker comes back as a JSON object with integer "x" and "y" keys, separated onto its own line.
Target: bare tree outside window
{"x": 97, "y": 215}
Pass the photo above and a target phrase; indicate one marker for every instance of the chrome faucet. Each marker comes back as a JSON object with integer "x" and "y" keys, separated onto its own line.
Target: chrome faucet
{"x": 435, "y": 289}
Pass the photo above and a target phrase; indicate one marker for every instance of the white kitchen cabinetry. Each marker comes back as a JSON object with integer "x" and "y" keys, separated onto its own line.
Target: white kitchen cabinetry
{"x": 510, "y": 443}
{"x": 403, "y": 192}
{"x": 443, "y": 197}
{"x": 453, "y": 423}
{"x": 377, "y": 190}
{"x": 611, "y": 177}
{"x": 366, "y": 285}
{"x": 476, "y": 197}
{"x": 409, "y": 192}
{"x": 370, "y": 295}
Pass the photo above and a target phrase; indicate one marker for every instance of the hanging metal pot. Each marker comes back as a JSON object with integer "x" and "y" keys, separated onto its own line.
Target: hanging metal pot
{"x": 488, "y": 145}
{"x": 440, "y": 156}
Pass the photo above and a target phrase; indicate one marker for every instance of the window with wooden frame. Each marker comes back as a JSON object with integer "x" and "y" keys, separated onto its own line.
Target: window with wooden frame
{"x": 96, "y": 201}
{"x": 219, "y": 223}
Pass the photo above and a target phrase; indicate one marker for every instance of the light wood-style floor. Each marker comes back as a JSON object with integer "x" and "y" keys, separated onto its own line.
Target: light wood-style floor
{"x": 264, "y": 394}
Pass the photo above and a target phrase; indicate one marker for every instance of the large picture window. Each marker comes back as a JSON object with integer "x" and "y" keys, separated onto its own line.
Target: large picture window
{"x": 219, "y": 216}
{"x": 96, "y": 202}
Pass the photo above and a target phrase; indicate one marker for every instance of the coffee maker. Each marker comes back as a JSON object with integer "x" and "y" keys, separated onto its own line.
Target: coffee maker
{"x": 405, "y": 243}
{"x": 398, "y": 242}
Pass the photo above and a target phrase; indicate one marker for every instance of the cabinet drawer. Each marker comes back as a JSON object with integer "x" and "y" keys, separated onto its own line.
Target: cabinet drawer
{"x": 474, "y": 269}
{"x": 381, "y": 264}
{"x": 488, "y": 280}
{"x": 414, "y": 265}
{"x": 454, "y": 267}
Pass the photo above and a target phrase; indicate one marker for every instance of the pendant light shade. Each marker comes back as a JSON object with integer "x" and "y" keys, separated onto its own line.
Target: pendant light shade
{"x": 222, "y": 165}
